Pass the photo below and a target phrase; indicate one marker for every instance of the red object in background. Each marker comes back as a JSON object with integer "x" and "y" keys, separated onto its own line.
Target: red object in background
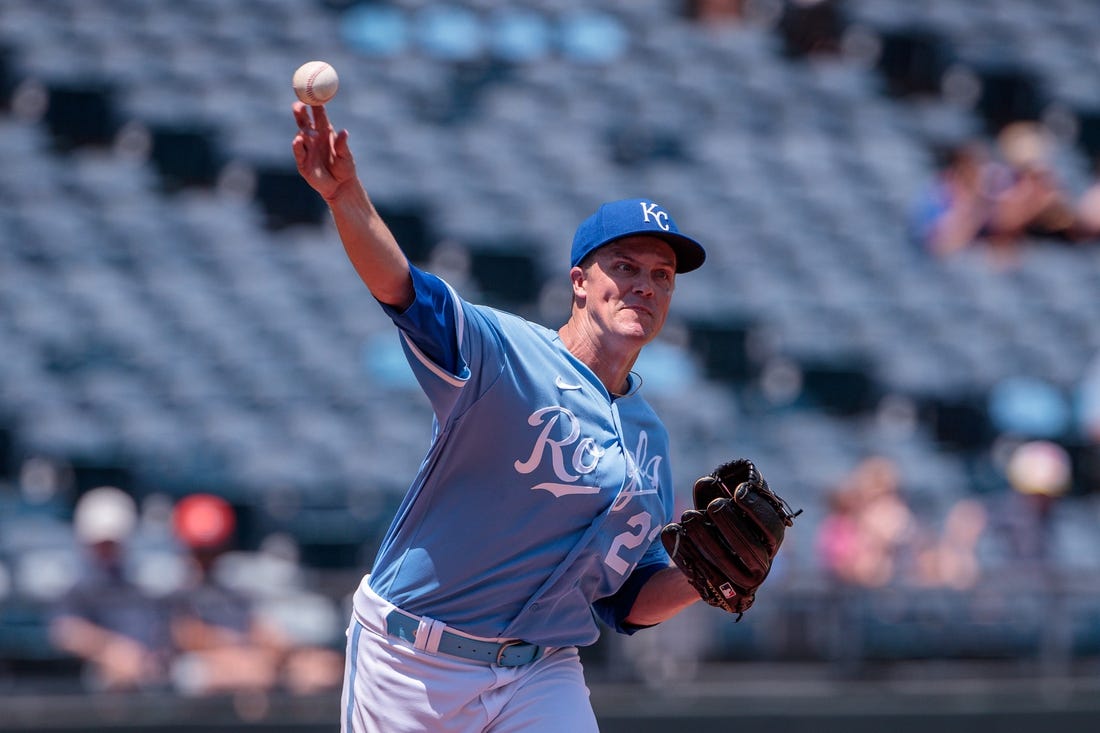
{"x": 204, "y": 521}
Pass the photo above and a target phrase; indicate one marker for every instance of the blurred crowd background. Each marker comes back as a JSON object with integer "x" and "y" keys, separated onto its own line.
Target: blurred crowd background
{"x": 206, "y": 422}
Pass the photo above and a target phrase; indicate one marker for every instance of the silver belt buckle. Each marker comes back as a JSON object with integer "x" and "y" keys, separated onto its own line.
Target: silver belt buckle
{"x": 504, "y": 648}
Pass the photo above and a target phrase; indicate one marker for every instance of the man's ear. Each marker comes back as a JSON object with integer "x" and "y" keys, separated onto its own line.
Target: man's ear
{"x": 576, "y": 277}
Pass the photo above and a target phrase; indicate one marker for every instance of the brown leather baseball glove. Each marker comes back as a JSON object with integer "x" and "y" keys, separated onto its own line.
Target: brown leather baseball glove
{"x": 726, "y": 544}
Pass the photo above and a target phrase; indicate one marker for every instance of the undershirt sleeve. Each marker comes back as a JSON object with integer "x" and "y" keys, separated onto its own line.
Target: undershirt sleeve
{"x": 613, "y": 609}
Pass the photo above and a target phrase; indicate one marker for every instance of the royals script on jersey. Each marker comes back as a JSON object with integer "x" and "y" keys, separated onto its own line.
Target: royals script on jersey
{"x": 538, "y": 494}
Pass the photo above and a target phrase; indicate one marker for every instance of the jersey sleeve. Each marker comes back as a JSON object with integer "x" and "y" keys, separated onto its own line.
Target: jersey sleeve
{"x": 432, "y": 322}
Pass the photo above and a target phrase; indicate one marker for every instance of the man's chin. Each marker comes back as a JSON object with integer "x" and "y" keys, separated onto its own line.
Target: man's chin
{"x": 641, "y": 332}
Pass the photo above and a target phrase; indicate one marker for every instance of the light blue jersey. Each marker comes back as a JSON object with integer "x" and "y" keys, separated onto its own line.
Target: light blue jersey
{"x": 539, "y": 494}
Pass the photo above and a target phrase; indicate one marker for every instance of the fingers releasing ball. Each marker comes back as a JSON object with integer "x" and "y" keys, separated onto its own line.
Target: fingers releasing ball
{"x": 315, "y": 82}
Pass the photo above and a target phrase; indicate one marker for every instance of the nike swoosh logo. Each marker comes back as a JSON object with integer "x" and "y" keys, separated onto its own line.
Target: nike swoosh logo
{"x": 563, "y": 385}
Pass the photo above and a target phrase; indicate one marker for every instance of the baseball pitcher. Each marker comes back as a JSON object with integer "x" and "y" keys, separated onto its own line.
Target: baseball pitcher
{"x": 545, "y": 501}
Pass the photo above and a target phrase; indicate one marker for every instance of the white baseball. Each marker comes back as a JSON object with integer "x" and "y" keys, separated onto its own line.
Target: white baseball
{"x": 315, "y": 82}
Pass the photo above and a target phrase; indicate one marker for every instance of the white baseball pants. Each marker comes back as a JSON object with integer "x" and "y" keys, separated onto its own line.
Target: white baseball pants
{"x": 390, "y": 686}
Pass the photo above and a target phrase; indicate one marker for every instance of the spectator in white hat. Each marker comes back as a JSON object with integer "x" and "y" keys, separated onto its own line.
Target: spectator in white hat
{"x": 105, "y": 620}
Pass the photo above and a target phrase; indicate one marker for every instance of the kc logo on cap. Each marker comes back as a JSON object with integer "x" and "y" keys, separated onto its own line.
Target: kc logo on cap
{"x": 660, "y": 217}
{"x": 632, "y": 217}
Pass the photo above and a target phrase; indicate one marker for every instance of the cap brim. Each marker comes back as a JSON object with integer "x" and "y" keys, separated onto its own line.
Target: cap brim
{"x": 690, "y": 255}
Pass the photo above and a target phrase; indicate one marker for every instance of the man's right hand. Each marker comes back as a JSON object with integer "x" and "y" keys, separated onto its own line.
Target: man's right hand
{"x": 321, "y": 154}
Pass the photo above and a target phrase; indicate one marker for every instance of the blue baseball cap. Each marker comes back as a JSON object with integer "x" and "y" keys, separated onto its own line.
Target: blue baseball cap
{"x": 632, "y": 217}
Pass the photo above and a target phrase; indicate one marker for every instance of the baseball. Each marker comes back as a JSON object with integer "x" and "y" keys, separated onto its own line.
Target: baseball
{"x": 315, "y": 82}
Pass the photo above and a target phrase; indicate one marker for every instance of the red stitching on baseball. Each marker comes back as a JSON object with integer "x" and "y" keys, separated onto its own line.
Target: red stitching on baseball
{"x": 309, "y": 83}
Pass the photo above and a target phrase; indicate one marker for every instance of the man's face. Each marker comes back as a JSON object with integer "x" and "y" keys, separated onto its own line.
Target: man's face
{"x": 626, "y": 287}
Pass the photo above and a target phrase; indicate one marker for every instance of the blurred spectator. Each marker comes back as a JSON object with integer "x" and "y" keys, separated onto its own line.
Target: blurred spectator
{"x": 868, "y": 526}
{"x": 956, "y": 210}
{"x": 978, "y": 198}
{"x": 951, "y": 560}
{"x": 1030, "y": 200}
{"x": 223, "y": 643}
{"x": 838, "y": 535}
{"x": 714, "y": 11}
{"x": 1039, "y": 473}
{"x": 105, "y": 619}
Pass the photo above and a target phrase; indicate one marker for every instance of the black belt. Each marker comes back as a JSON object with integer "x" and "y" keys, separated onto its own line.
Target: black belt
{"x": 499, "y": 653}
